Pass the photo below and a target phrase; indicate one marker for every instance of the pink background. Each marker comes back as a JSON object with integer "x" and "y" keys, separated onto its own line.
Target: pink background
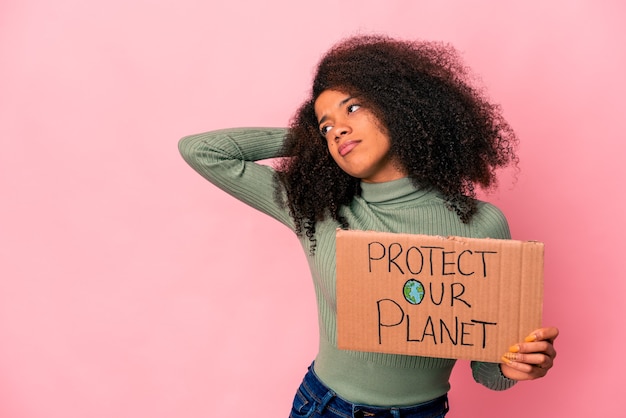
{"x": 130, "y": 287}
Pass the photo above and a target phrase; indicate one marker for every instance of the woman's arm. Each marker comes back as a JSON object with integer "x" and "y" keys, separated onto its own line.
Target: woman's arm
{"x": 227, "y": 159}
{"x": 490, "y": 222}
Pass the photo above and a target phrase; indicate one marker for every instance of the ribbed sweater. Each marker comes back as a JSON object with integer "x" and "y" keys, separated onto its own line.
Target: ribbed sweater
{"x": 227, "y": 158}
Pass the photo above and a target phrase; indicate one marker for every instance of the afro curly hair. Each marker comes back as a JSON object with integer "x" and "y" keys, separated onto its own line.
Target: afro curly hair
{"x": 444, "y": 132}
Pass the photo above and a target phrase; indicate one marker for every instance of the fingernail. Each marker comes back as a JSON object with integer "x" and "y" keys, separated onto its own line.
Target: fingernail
{"x": 514, "y": 348}
{"x": 530, "y": 338}
{"x": 506, "y": 360}
{"x": 510, "y": 356}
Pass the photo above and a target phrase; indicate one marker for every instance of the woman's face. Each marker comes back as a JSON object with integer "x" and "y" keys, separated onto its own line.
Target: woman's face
{"x": 357, "y": 141}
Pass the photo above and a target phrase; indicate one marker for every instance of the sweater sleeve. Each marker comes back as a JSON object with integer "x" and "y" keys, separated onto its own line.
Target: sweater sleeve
{"x": 228, "y": 159}
{"x": 490, "y": 375}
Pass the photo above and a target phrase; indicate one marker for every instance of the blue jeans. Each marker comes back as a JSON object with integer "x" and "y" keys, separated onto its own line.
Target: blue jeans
{"x": 314, "y": 400}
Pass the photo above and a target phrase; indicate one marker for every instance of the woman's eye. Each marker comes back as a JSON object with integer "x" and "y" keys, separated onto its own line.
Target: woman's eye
{"x": 353, "y": 108}
{"x": 325, "y": 129}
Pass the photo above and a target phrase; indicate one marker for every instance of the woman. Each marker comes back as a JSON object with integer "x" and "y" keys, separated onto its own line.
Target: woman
{"x": 394, "y": 138}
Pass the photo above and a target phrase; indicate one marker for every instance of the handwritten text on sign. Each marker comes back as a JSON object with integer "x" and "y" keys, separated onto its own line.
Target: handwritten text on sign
{"x": 433, "y": 296}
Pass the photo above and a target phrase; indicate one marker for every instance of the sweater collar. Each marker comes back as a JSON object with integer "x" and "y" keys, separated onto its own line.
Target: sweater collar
{"x": 391, "y": 192}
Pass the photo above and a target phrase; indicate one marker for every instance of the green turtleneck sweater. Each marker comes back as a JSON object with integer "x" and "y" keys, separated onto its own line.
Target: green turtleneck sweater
{"x": 227, "y": 159}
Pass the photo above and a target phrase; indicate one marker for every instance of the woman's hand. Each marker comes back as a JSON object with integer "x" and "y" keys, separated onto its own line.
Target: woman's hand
{"x": 533, "y": 358}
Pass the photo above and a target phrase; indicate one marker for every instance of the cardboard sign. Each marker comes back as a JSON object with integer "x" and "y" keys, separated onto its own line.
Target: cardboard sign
{"x": 432, "y": 296}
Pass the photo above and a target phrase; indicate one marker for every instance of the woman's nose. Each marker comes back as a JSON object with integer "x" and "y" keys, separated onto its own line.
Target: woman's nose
{"x": 341, "y": 130}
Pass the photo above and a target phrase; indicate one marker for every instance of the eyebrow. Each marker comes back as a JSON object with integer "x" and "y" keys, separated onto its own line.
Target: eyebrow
{"x": 341, "y": 104}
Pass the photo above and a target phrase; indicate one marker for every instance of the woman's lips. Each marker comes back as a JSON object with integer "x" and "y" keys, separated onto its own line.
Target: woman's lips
{"x": 346, "y": 147}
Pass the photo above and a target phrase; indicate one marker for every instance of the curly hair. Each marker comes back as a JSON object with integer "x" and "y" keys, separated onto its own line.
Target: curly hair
{"x": 444, "y": 132}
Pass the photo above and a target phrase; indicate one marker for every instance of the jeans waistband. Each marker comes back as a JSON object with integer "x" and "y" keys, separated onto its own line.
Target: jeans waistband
{"x": 327, "y": 399}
